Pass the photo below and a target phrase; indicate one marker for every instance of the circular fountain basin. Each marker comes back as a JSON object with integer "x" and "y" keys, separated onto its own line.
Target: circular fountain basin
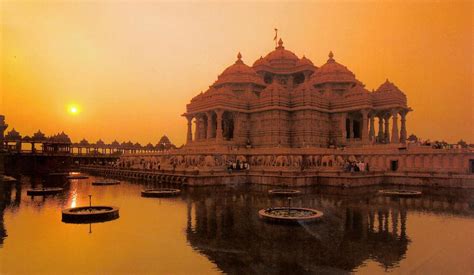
{"x": 400, "y": 193}
{"x": 106, "y": 182}
{"x": 290, "y": 215}
{"x": 44, "y": 191}
{"x": 160, "y": 192}
{"x": 284, "y": 192}
{"x": 86, "y": 214}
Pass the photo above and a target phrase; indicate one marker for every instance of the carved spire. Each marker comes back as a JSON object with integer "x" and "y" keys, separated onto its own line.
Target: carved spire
{"x": 331, "y": 56}
{"x": 280, "y": 44}
{"x": 239, "y": 58}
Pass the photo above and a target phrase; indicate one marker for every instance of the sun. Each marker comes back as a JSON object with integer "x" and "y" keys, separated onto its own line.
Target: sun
{"x": 73, "y": 109}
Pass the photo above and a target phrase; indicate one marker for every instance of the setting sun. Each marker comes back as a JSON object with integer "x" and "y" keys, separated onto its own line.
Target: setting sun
{"x": 73, "y": 109}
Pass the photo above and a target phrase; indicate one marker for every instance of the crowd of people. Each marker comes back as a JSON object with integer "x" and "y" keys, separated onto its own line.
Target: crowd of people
{"x": 356, "y": 166}
{"x": 237, "y": 166}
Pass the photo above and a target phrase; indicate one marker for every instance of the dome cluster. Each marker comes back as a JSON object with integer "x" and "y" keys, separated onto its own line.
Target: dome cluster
{"x": 283, "y": 62}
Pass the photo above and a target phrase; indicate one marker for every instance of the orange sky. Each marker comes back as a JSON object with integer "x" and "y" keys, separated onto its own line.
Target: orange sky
{"x": 132, "y": 67}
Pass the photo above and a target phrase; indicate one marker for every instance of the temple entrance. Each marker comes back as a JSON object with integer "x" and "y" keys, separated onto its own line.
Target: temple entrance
{"x": 227, "y": 126}
{"x": 471, "y": 166}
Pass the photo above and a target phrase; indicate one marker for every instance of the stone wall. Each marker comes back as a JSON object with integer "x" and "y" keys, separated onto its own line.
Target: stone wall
{"x": 379, "y": 158}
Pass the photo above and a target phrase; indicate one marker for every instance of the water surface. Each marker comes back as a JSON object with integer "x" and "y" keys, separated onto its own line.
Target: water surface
{"x": 217, "y": 230}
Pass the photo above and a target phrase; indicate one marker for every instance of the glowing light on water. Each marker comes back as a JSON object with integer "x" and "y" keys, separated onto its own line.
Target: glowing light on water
{"x": 74, "y": 199}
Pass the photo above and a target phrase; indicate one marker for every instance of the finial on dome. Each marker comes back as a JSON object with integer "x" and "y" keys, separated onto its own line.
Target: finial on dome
{"x": 239, "y": 56}
{"x": 280, "y": 43}
{"x": 331, "y": 55}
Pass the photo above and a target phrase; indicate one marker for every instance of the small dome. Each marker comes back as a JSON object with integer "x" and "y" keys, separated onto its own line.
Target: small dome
{"x": 238, "y": 72}
{"x": 60, "y": 138}
{"x": 38, "y": 136}
{"x": 164, "y": 140}
{"x": 305, "y": 61}
{"x": 333, "y": 72}
{"x": 259, "y": 61}
{"x": 388, "y": 86}
{"x": 13, "y": 135}
{"x": 149, "y": 146}
{"x": 115, "y": 143}
{"x": 83, "y": 142}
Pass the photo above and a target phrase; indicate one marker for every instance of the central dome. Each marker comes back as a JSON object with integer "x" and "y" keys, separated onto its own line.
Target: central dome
{"x": 280, "y": 58}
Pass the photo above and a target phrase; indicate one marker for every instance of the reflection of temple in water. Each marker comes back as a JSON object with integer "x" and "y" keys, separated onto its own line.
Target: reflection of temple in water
{"x": 225, "y": 227}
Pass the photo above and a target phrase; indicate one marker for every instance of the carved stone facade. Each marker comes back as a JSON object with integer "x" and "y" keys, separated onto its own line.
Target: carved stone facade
{"x": 286, "y": 101}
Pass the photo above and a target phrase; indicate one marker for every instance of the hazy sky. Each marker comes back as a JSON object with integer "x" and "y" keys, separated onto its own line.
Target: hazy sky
{"x": 132, "y": 67}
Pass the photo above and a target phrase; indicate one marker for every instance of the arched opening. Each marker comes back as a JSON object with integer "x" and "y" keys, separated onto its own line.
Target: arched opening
{"x": 348, "y": 127}
{"x": 213, "y": 121}
{"x": 228, "y": 126}
{"x": 354, "y": 126}
{"x": 268, "y": 79}
{"x": 356, "y": 129}
{"x": 298, "y": 78}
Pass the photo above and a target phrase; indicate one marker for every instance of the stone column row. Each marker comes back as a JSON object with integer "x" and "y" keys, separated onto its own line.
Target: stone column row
{"x": 396, "y": 135}
{"x": 384, "y": 135}
{"x": 205, "y": 128}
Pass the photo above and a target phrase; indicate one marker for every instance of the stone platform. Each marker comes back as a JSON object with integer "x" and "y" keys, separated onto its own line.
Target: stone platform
{"x": 333, "y": 178}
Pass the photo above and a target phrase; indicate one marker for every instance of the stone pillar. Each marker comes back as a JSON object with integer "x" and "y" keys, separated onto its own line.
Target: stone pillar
{"x": 364, "y": 130}
{"x": 236, "y": 132}
{"x": 219, "y": 114}
{"x": 380, "y": 134}
{"x": 196, "y": 128}
{"x": 189, "y": 137}
{"x": 403, "y": 130}
{"x": 209, "y": 125}
{"x": 372, "y": 129}
{"x": 387, "y": 131}
{"x": 395, "y": 138}
{"x": 343, "y": 128}
{"x": 351, "y": 128}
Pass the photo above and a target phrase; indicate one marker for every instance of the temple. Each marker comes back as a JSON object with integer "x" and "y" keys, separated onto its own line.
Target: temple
{"x": 287, "y": 101}
{"x": 282, "y": 121}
